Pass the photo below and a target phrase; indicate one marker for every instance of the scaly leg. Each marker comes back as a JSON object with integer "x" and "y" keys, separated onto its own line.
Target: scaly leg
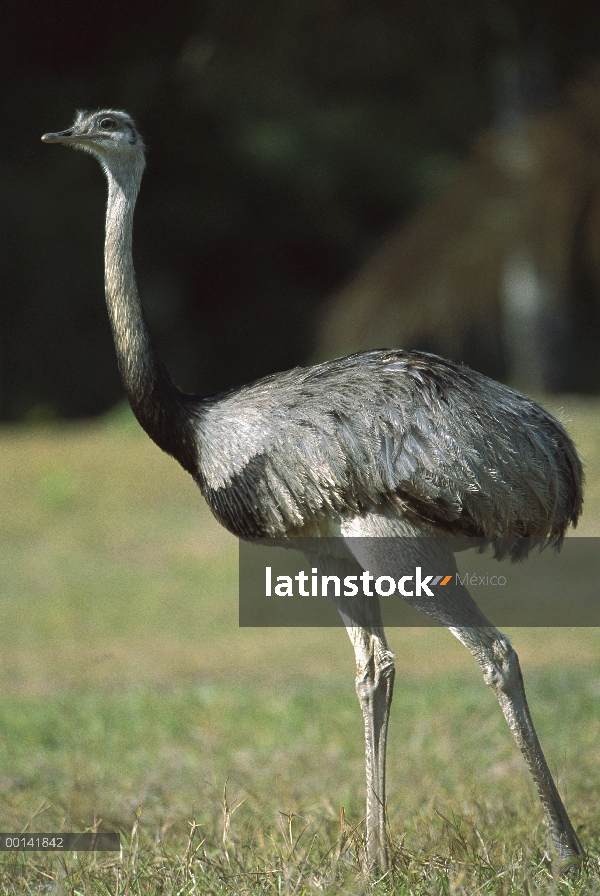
{"x": 454, "y": 608}
{"x": 374, "y": 687}
{"x": 502, "y": 673}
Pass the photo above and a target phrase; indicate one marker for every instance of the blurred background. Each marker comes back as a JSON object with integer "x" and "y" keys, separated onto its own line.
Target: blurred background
{"x": 322, "y": 177}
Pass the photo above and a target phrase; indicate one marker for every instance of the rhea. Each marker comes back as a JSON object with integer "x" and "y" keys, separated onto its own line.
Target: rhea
{"x": 375, "y": 450}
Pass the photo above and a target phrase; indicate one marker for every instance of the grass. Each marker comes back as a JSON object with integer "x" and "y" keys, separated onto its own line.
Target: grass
{"x": 231, "y": 760}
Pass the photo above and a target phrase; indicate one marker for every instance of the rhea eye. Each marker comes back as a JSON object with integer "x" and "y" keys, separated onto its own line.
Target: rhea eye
{"x": 107, "y": 124}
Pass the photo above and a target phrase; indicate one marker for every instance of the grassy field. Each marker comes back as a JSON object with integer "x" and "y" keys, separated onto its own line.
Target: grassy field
{"x": 231, "y": 760}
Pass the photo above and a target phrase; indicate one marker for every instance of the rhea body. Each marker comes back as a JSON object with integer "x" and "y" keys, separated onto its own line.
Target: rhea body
{"x": 381, "y": 443}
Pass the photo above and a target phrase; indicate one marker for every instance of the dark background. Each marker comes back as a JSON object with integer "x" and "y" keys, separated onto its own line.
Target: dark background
{"x": 285, "y": 140}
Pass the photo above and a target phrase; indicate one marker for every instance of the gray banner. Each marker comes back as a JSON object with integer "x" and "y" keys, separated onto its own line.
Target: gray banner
{"x": 91, "y": 842}
{"x": 295, "y": 581}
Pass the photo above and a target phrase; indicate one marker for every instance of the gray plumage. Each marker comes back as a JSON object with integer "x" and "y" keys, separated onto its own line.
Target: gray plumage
{"x": 376, "y": 444}
{"x": 426, "y": 437}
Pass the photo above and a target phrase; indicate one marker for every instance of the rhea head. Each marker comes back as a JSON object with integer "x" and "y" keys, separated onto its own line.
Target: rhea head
{"x": 109, "y": 135}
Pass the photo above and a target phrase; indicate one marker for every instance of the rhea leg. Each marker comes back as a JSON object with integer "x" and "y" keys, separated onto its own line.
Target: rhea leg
{"x": 502, "y": 673}
{"x": 374, "y": 686}
{"x": 454, "y": 608}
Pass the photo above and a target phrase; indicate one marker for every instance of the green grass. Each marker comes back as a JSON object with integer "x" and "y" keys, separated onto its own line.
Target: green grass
{"x": 231, "y": 760}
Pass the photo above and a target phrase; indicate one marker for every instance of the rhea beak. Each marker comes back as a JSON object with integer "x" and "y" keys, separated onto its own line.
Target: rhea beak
{"x": 60, "y": 137}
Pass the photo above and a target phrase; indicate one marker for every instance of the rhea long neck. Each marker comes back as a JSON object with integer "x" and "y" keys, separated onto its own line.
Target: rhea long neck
{"x": 161, "y": 409}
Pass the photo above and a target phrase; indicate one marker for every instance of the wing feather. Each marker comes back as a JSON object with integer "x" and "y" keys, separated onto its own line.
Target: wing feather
{"x": 434, "y": 440}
